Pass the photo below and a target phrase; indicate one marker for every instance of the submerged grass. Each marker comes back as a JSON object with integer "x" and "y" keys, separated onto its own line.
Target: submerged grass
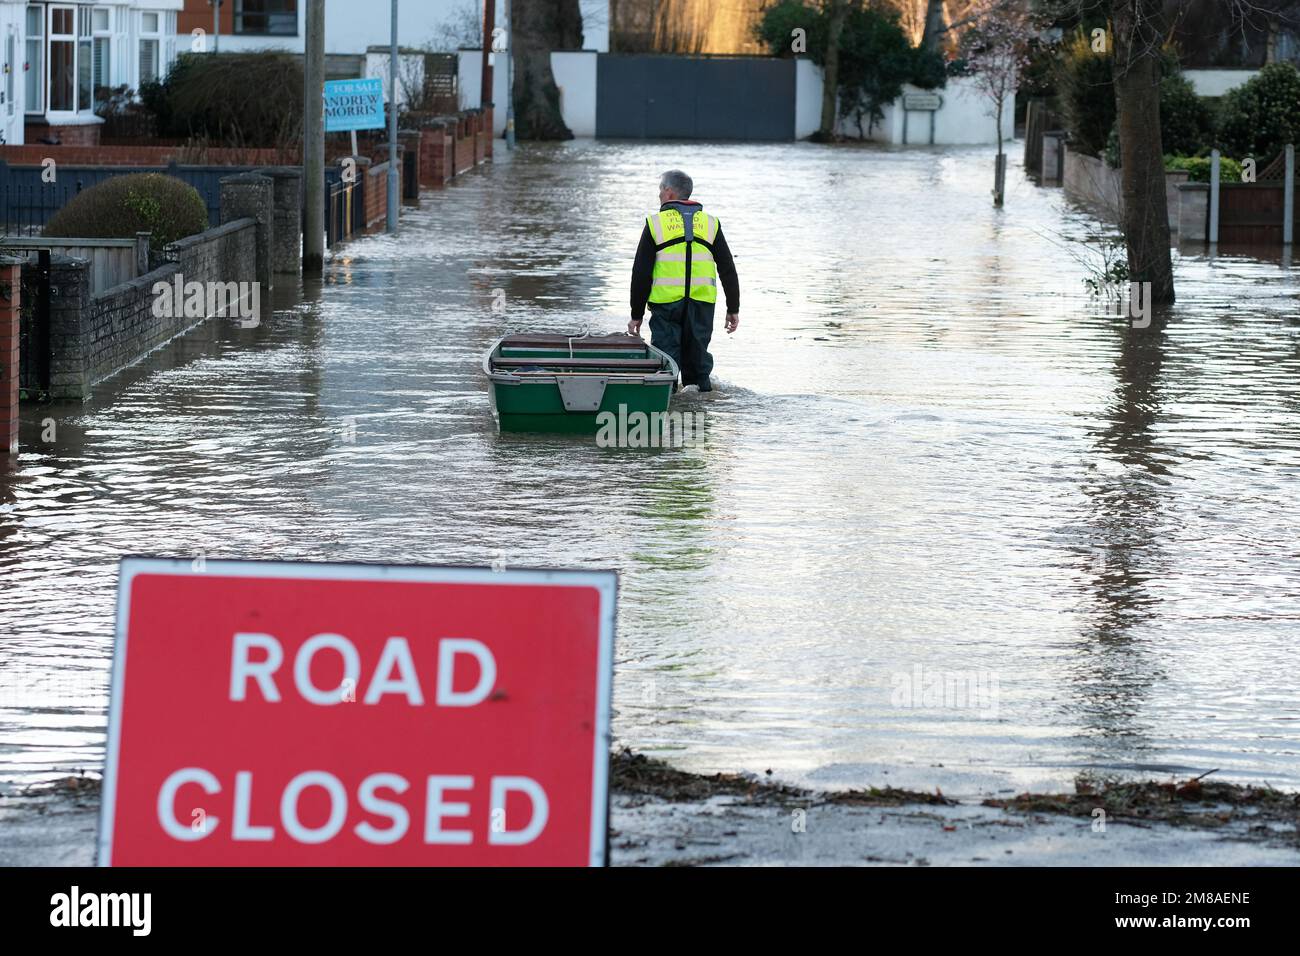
{"x": 1195, "y": 802}
{"x": 638, "y": 775}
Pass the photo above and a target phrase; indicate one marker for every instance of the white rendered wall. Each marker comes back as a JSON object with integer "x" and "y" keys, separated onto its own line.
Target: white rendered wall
{"x": 807, "y": 98}
{"x": 353, "y": 25}
{"x": 963, "y": 119}
{"x": 575, "y": 75}
{"x": 1217, "y": 82}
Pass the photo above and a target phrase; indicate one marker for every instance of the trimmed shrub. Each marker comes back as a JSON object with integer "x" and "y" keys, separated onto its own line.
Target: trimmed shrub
{"x": 1198, "y": 168}
{"x": 120, "y": 207}
{"x": 1261, "y": 116}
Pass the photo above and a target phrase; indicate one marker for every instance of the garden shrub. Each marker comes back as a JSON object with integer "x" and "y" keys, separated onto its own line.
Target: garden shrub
{"x": 876, "y": 56}
{"x": 120, "y": 207}
{"x": 236, "y": 99}
{"x": 1261, "y": 116}
{"x": 1087, "y": 95}
{"x": 1186, "y": 122}
{"x": 1198, "y": 168}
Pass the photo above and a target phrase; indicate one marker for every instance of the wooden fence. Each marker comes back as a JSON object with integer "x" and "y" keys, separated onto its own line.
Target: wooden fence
{"x": 112, "y": 261}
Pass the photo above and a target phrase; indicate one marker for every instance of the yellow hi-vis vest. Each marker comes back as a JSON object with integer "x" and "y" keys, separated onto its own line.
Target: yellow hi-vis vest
{"x": 668, "y": 228}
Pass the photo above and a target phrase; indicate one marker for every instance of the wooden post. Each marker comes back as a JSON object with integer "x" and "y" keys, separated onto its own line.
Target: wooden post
{"x": 1214, "y": 197}
{"x": 489, "y": 24}
{"x": 394, "y": 194}
{"x": 142, "y": 253}
{"x": 1288, "y": 197}
{"x": 10, "y": 289}
{"x": 313, "y": 145}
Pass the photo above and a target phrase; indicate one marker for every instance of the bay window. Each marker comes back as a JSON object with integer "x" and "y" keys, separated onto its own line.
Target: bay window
{"x": 63, "y": 59}
{"x": 35, "y": 60}
{"x": 85, "y": 90}
{"x": 150, "y": 46}
{"x": 102, "y": 60}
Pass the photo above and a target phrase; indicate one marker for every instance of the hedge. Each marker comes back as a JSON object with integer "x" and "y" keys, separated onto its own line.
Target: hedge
{"x": 122, "y": 206}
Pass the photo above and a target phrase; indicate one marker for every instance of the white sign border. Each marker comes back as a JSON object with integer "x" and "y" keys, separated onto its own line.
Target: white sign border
{"x": 605, "y": 583}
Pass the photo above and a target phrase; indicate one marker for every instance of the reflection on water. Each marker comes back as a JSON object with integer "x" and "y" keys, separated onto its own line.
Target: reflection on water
{"x": 927, "y": 448}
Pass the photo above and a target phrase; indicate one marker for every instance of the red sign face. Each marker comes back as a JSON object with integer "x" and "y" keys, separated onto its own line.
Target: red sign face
{"x": 268, "y": 714}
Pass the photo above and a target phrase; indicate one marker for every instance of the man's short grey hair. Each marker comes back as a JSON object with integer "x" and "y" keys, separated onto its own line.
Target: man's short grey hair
{"x": 678, "y": 182}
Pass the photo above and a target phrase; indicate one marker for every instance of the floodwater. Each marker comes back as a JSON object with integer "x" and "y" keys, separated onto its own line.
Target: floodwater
{"x": 953, "y": 522}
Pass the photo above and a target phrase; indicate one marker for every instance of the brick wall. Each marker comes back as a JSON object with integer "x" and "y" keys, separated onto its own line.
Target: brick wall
{"x": 376, "y": 193}
{"x": 34, "y": 155}
{"x": 286, "y": 255}
{"x": 94, "y": 336}
{"x": 465, "y": 143}
{"x": 84, "y": 134}
{"x": 436, "y": 165}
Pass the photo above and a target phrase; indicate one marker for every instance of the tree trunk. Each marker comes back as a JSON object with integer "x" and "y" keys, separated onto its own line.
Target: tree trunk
{"x": 1000, "y": 164}
{"x": 541, "y": 26}
{"x": 1136, "y": 69}
{"x": 831, "y": 72}
{"x": 934, "y": 25}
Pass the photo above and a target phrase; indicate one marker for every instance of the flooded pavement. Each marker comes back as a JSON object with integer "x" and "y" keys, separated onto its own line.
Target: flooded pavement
{"x": 953, "y": 524}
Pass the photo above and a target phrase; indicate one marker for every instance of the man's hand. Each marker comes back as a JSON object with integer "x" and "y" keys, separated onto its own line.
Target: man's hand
{"x": 733, "y": 321}
{"x": 634, "y": 327}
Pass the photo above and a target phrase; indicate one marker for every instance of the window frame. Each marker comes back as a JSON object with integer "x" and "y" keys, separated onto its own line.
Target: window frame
{"x": 36, "y": 75}
{"x": 146, "y": 36}
{"x": 51, "y": 38}
{"x": 105, "y": 36}
{"x": 238, "y": 14}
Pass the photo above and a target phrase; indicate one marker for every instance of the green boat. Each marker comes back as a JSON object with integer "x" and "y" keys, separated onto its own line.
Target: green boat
{"x": 560, "y": 383}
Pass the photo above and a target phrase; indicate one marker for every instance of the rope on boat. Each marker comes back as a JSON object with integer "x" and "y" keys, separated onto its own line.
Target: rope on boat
{"x": 586, "y": 333}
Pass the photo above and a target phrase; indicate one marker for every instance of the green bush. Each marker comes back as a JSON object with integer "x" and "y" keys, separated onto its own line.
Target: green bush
{"x": 1261, "y": 116}
{"x": 1087, "y": 95}
{"x": 1199, "y": 168}
{"x": 1186, "y": 121}
{"x": 876, "y": 56}
{"x": 235, "y": 99}
{"x": 775, "y": 30}
{"x": 120, "y": 207}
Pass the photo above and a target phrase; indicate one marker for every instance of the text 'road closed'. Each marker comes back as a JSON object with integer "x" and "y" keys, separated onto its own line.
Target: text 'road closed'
{"x": 291, "y": 714}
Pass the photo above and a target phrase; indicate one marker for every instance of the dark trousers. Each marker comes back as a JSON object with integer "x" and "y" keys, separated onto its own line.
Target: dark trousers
{"x": 683, "y": 330}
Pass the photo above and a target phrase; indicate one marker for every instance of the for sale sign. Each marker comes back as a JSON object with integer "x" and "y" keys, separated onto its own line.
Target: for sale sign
{"x": 326, "y": 715}
{"x": 354, "y": 104}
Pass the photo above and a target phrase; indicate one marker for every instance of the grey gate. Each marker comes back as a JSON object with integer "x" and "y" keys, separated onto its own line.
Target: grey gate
{"x": 648, "y": 96}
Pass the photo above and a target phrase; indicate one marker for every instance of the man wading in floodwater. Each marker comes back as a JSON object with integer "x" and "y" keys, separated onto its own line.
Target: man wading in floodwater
{"x": 681, "y": 259}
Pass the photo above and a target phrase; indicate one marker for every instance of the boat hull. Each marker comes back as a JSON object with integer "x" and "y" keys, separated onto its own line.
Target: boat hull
{"x": 563, "y": 385}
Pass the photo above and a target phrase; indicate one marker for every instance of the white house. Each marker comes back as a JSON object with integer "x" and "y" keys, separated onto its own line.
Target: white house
{"x": 353, "y": 26}
{"x": 60, "y": 56}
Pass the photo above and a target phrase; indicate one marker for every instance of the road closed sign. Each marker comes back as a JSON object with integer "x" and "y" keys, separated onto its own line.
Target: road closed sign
{"x": 272, "y": 714}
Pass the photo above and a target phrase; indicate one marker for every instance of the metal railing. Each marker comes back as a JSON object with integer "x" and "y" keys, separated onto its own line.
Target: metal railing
{"x": 345, "y": 211}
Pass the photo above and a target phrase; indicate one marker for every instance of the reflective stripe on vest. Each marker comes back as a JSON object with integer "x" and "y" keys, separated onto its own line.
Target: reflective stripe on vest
{"x": 668, "y": 282}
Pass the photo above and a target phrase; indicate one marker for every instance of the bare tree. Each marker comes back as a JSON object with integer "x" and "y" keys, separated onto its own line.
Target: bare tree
{"x": 463, "y": 27}
{"x": 935, "y": 25}
{"x": 996, "y": 50}
{"x": 1137, "y": 35}
{"x": 839, "y": 12}
{"x": 541, "y": 27}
